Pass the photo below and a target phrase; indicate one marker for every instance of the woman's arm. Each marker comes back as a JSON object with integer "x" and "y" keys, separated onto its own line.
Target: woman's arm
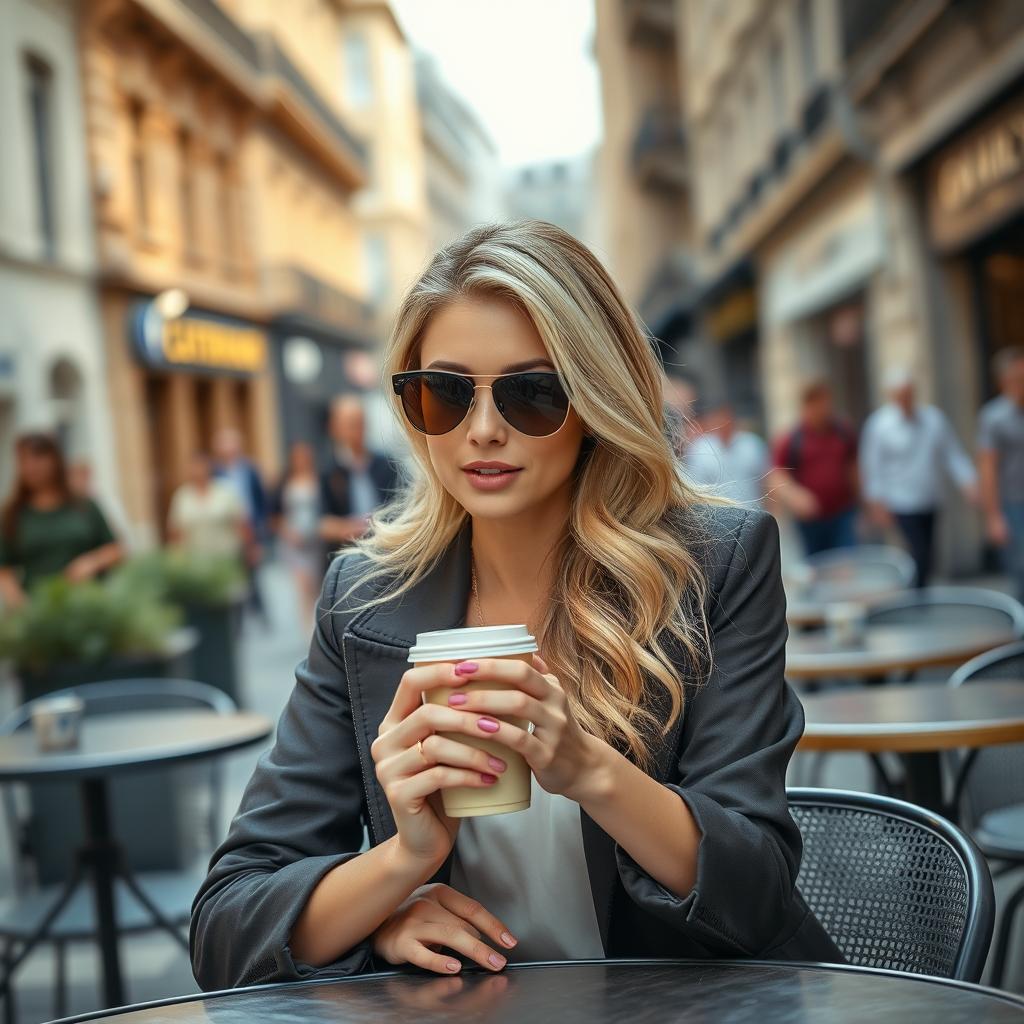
{"x": 300, "y": 818}
{"x": 10, "y": 589}
{"x": 92, "y": 563}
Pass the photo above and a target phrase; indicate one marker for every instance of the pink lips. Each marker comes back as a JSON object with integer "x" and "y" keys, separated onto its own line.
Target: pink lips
{"x": 491, "y": 481}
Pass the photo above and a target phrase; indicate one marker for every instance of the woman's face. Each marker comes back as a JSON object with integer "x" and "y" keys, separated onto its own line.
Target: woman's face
{"x": 491, "y": 336}
{"x": 36, "y": 469}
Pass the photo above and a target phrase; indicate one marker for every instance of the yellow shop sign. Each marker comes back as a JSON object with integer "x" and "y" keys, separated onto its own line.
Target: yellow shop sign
{"x": 197, "y": 341}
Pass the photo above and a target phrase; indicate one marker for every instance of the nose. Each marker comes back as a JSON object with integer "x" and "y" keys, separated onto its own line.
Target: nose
{"x": 486, "y": 424}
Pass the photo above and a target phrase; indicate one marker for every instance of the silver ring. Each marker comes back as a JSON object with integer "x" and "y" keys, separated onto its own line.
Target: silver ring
{"x": 530, "y": 727}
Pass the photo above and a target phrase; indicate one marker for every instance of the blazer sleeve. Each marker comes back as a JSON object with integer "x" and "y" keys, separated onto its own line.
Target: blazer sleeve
{"x": 739, "y": 732}
{"x": 300, "y": 816}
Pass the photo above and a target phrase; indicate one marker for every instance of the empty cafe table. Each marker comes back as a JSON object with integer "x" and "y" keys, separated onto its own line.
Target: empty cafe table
{"x": 111, "y": 744}
{"x": 599, "y": 992}
{"x": 916, "y": 721}
{"x": 883, "y": 650}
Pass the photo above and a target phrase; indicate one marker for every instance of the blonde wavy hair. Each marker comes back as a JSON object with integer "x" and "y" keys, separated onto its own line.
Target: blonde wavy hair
{"x": 627, "y": 584}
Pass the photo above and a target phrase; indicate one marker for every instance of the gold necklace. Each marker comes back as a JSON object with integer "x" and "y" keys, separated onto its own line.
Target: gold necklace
{"x": 476, "y": 592}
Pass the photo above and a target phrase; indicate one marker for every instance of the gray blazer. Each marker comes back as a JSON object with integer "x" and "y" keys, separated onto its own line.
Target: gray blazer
{"x": 304, "y": 809}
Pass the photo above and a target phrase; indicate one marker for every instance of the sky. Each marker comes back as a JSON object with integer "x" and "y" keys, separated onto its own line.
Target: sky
{"x": 525, "y": 67}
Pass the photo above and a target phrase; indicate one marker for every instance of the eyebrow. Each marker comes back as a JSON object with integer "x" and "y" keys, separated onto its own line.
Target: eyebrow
{"x": 530, "y": 364}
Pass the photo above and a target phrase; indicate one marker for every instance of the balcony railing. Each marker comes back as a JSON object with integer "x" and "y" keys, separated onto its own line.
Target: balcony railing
{"x": 281, "y": 65}
{"x": 294, "y": 291}
{"x": 659, "y": 149}
{"x": 650, "y": 22}
{"x": 224, "y": 28}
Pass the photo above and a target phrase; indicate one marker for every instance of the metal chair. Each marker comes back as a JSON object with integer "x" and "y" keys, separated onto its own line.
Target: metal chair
{"x": 862, "y": 567}
{"x": 169, "y": 893}
{"x": 989, "y": 789}
{"x": 894, "y": 885}
{"x": 953, "y": 606}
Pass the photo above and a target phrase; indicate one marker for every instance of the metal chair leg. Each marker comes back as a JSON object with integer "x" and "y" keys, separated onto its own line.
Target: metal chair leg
{"x": 7, "y": 984}
{"x": 60, "y": 998}
{"x": 1013, "y": 904}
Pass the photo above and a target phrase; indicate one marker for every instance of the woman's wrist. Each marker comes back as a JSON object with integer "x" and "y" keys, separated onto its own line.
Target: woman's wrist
{"x": 597, "y": 777}
{"x": 411, "y": 865}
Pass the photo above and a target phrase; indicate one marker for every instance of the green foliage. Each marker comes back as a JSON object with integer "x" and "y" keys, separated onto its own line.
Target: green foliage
{"x": 185, "y": 578}
{"x": 84, "y": 623}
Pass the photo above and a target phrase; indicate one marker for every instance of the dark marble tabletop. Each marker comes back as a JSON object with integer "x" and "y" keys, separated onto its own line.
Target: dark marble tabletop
{"x": 598, "y": 992}
{"x": 119, "y": 742}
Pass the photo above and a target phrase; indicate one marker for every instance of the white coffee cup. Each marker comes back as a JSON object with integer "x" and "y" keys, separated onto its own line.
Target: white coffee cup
{"x": 56, "y": 722}
{"x": 845, "y": 621}
{"x": 512, "y": 790}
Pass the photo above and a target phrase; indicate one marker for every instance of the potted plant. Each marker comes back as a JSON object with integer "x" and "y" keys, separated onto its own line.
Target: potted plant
{"x": 69, "y": 633}
{"x": 210, "y": 592}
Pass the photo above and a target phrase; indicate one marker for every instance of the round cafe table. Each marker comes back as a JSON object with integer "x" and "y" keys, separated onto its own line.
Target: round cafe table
{"x": 886, "y": 649}
{"x": 600, "y": 992}
{"x": 110, "y": 744}
{"x": 917, "y": 721}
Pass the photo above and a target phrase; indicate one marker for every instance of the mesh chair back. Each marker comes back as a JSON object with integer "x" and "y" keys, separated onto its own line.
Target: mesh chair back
{"x": 870, "y": 567}
{"x": 994, "y": 775}
{"x": 894, "y": 885}
{"x": 950, "y": 606}
{"x": 188, "y": 795}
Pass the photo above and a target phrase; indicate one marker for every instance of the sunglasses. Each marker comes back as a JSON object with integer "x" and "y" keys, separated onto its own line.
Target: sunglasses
{"x": 436, "y": 402}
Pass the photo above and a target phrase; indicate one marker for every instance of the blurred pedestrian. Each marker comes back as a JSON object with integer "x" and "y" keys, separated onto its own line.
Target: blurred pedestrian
{"x": 732, "y": 461}
{"x": 233, "y": 467}
{"x": 907, "y": 449}
{"x": 45, "y": 529}
{"x": 206, "y": 516}
{"x": 357, "y": 481}
{"x": 1001, "y": 463}
{"x": 297, "y": 525}
{"x": 680, "y": 397}
{"x": 814, "y": 473}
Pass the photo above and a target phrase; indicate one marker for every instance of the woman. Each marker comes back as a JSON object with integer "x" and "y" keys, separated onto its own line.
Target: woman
{"x": 297, "y": 524}
{"x": 206, "y": 516}
{"x": 663, "y": 724}
{"x": 46, "y": 530}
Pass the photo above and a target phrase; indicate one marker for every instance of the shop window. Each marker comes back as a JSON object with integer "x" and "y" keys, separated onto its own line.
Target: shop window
{"x": 41, "y": 115}
{"x": 66, "y": 389}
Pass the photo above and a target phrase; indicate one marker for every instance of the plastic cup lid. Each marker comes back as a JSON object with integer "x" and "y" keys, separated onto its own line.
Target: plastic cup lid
{"x": 474, "y": 642}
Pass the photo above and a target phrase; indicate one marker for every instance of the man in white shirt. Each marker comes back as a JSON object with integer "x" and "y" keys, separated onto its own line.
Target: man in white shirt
{"x": 906, "y": 451}
{"x": 731, "y": 461}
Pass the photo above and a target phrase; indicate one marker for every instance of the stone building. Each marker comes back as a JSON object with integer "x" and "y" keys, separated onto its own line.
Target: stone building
{"x": 51, "y": 348}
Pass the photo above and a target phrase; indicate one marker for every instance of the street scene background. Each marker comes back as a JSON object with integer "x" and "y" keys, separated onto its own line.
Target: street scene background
{"x": 209, "y": 212}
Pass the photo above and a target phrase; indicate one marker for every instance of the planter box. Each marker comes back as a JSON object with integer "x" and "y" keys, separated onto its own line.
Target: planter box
{"x": 215, "y": 659}
{"x": 155, "y": 812}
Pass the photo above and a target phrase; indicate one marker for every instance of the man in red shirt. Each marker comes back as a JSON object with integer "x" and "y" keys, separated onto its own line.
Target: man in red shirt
{"x": 814, "y": 473}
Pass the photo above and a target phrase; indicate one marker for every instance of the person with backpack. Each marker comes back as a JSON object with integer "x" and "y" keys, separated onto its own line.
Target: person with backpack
{"x": 814, "y": 473}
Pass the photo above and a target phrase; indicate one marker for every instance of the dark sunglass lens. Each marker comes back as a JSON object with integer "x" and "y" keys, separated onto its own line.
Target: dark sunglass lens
{"x": 444, "y": 401}
{"x": 533, "y": 403}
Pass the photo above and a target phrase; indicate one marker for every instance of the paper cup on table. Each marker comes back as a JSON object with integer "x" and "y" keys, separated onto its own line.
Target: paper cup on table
{"x": 56, "y": 722}
{"x": 846, "y": 622}
{"x": 512, "y": 790}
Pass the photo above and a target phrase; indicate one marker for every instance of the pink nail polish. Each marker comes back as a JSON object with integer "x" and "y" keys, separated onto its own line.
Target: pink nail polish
{"x": 458, "y": 698}
{"x": 488, "y": 778}
{"x": 453, "y": 965}
{"x": 507, "y": 939}
{"x": 466, "y": 668}
{"x": 496, "y": 960}
{"x": 488, "y": 725}
{"x": 498, "y": 766}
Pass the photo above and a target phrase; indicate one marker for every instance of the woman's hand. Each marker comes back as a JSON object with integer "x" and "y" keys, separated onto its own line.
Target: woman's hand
{"x": 80, "y": 569}
{"x": 436, "y": 916}
{"x": 560, "y": 753}
{"x": 413, "y": 764}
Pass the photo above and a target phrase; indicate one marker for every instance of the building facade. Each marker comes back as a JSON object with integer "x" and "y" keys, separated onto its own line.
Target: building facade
{"x": 51, "y": 348}
{"x": 219, "y": 175}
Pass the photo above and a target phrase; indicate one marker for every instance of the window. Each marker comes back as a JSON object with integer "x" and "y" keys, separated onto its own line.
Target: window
{"x": 186, "y": 192}
{"x": 357, "y": 70}
{"x": 40, "y": 109}
{"x": 377, "y": 269}
{"x": 808, "y": 54}
{"x": 777, "y": 84}
{"x": 226, "y": 207}
{"x": 140, "y": 180}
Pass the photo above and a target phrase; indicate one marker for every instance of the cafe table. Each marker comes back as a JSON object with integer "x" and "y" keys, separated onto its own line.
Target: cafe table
{"x": 111, "y": 744}
{"x": 599, "y": 992}
{"x": 886, "y": 649}
{"x": 917, "y": 721}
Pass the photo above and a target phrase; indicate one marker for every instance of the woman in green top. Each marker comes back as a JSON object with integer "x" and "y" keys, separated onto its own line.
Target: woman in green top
{"x": 44, "y": 529}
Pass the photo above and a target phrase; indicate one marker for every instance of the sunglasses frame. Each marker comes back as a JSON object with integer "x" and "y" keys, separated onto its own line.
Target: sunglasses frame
{"x": 399, "y": 380}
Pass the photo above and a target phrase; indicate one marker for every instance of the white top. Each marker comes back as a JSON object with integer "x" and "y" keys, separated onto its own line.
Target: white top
{"x": 736, "y": 470}
{"x": 903, "y": 460}
{"x": 529, "y": 869}
{"x": 208, "y": 520}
